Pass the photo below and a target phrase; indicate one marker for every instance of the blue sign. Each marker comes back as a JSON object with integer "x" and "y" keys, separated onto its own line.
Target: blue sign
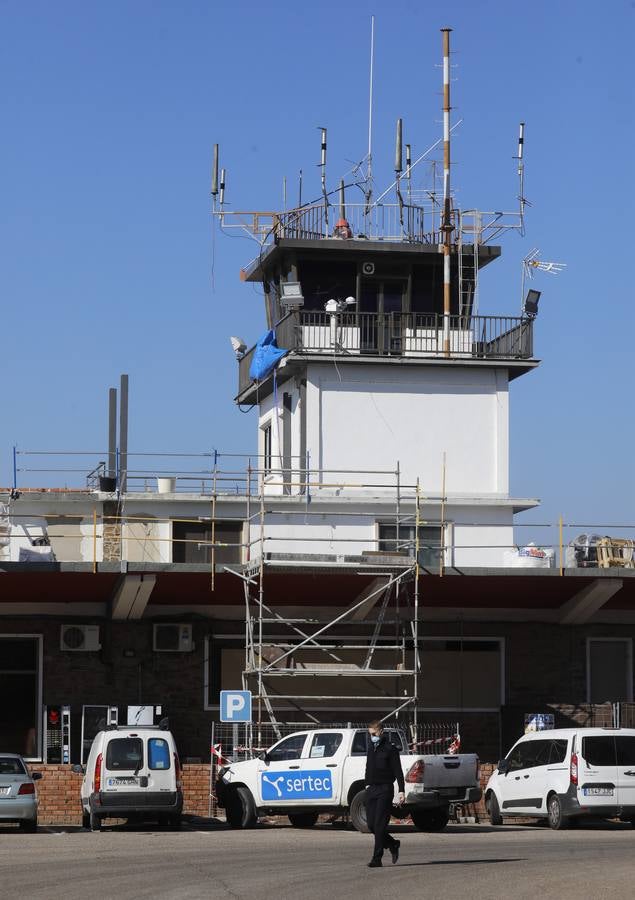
{"x": 314, "y": 785}
{"x": 235, "y": 706}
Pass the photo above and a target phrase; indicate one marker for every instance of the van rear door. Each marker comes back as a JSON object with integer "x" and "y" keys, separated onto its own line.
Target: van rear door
{"x": 160, "y": 764}
{"x": 625, "y": 752}
{"x": 123, "y": 764}
{"x": 597, "y": 770}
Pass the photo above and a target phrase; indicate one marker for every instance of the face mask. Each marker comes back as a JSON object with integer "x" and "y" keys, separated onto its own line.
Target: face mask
{"x": 375, "y": 738}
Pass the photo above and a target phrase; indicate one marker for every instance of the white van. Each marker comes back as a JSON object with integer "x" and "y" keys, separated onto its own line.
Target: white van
{"x": 565, "y": 774}
{"x": 132, "y": 773}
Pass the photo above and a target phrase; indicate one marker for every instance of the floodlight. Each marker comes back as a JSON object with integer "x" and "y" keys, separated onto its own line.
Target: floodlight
{"x": 530, "y": 308}
{"x": 291, "y": 294}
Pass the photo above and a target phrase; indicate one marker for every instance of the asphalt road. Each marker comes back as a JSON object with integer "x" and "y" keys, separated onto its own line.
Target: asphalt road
{"x": 282, "y": 863}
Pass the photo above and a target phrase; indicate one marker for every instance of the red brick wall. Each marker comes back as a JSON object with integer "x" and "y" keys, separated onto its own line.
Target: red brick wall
{"x": 58, "y": 792}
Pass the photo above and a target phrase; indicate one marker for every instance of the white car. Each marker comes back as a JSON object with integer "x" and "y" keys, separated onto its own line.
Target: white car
{"x": 322, "y": 771}
{"x": 132, "y": 773}
{"x": 565, "y": 774}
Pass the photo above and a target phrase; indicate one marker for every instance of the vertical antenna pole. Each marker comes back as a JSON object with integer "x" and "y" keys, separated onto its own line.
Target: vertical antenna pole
{"x": 521, "y": 177}
{"x": 342, "y": 200}
{"x": 300, "y": 189}
{"x": 408, "y": 174}
{"x": 369, "y": 169}
{"x": 123, "y": 434}
{"x": 112, "y": 433}
{"x": 323, "y": 167}
{"x": 222, "y": 187}
{"x": 215, "y": 173}
{"x": 447, "y": 200}
{"x": 284, "y": 193}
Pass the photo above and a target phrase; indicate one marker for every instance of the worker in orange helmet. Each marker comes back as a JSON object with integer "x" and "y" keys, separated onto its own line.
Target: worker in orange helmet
{"x": 342, "y": 230}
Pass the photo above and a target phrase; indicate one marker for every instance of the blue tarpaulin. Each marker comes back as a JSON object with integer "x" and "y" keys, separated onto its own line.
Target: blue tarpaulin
{"x": 266, "y": 356}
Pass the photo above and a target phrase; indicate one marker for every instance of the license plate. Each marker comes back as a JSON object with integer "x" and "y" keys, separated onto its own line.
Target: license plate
{"x": 120, "y": 782}
{"x": 4, "y": 791}
{"x": 597, "y": 792}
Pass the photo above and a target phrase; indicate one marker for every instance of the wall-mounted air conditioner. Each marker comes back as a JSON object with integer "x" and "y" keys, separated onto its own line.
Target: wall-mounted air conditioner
{"x": 173, "y": 638}
{"x": 79, "y": 637}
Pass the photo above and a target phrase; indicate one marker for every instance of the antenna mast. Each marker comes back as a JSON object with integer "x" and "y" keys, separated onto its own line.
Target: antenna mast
{"x": 446, "y": 226}
{"x": 369, "y": 168}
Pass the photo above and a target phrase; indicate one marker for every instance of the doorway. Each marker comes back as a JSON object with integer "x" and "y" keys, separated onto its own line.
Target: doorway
{"x": 21, "y": 692}
{"x": 381, "y": 309}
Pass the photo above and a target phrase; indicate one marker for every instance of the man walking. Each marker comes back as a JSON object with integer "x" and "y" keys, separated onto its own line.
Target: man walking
{"x": 383, "y": 766}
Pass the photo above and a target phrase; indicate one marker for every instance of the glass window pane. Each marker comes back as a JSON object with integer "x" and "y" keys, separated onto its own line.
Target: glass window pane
{"x": 625, "y": 750}
{"x": 18, "y": 655}
{"x": 158, "y": 754}
{"x": 325, "y": 744}
{"x": 609, "y": 662}
{"x": 124, "y": 754}
{"x": 558, "y": 751}
{"x": 599, "y": 751}
{"x": 360, "y": 744}
{"x": 289, "y": 748}
{"x": 11, "y": 766}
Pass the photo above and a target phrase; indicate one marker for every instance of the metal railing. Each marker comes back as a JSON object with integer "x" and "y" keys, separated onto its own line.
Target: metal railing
{"x": 413, "y": 334}
{"x": 379, "y": 222}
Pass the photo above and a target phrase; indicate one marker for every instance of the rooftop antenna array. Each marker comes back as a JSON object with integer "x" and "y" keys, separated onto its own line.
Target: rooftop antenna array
{"x": 413, "y": 218}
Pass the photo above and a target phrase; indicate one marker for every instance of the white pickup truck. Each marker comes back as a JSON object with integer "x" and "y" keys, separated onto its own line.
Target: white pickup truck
{"x": 322, "y": 771}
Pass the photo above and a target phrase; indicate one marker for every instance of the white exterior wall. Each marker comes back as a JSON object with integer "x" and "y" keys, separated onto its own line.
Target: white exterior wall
{"x": 371, "y": 416}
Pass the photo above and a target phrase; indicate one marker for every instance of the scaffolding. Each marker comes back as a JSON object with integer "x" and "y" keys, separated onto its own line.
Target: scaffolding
{"x": 380, "y": 658}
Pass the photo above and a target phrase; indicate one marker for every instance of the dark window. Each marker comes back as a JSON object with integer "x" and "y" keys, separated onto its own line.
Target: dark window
{"x": 289, "y": 748}
{"x": 325, "y": 744}
{"x": 124, "y": 754}
{"x": 266, "y": 448}
{"x": 158, "y": 754}
{"x": 625, "y": 747}
{"x": 599, "y": 751}
{"x": 558, "y": 752}
{"x": 610, "y": 671}
{"x": 360, "y": 741}
{"x": 20, "y": 712}
{"x": 429, "y": 542}
{"x": 191, "y": 542}
{"x": 10, "y": 766}
{"x": 360, "y": 744}
{"x": 528, "y": 755}
{"x": 321, "y": 282}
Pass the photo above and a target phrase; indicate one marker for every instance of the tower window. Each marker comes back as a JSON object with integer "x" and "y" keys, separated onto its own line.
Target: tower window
{"x": 266, "y": 447}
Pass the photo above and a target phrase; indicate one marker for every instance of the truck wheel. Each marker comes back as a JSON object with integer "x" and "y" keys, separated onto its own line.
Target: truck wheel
{"x": 430, "y": 819}
{"x": 94, "y": 822}
{"x": 239, "y": 808}
{"x": 303, "y": 820}
{"x": 358, "y": 813}
{"x": 493, "y": 810}
{"x": 554, "y": 813}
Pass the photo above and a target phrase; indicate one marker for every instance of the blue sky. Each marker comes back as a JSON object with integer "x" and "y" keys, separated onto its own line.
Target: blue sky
{"x": 109, "y": 114}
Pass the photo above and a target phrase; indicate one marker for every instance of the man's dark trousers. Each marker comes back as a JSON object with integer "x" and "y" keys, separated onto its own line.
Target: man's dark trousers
{"x": 378, "y": 806}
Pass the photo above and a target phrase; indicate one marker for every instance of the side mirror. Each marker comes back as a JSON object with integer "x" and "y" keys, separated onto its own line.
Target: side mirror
{"x": 36, "y": 776}
{"x": 264, "y": 756}
{"x": 78, "y": 770}
{"x": 503, "y": 766}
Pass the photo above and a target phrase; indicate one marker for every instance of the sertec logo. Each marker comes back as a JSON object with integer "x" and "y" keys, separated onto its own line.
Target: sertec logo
{"x": 315, "y": 785}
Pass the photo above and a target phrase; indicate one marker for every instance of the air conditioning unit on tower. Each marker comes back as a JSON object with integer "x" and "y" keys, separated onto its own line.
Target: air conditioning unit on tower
{"x": 173, "y": 638}
{"x": 79, "y": 637}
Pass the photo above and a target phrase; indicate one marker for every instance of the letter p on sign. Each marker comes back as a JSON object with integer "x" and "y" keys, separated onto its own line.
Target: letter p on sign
{"x": 235, "y": 706}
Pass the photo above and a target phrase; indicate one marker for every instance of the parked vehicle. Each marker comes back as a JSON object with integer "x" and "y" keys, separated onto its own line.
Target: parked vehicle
{"x": 132, "y": 773}
{"x": 322, "y": 771}
{"x": 564, "y": 775}
{"x": 18, "y": 797}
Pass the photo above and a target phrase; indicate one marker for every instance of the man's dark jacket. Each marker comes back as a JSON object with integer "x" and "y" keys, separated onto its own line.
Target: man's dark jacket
{"x": 383, "y": 765}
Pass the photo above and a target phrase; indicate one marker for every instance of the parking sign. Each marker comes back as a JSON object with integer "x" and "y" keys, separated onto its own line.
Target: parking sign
{"x": 235, "y": 706}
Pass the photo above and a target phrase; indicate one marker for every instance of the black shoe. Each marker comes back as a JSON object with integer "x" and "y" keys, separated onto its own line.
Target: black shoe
{"x": 375, "y": 863}
{"x": 394, "y": 851}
